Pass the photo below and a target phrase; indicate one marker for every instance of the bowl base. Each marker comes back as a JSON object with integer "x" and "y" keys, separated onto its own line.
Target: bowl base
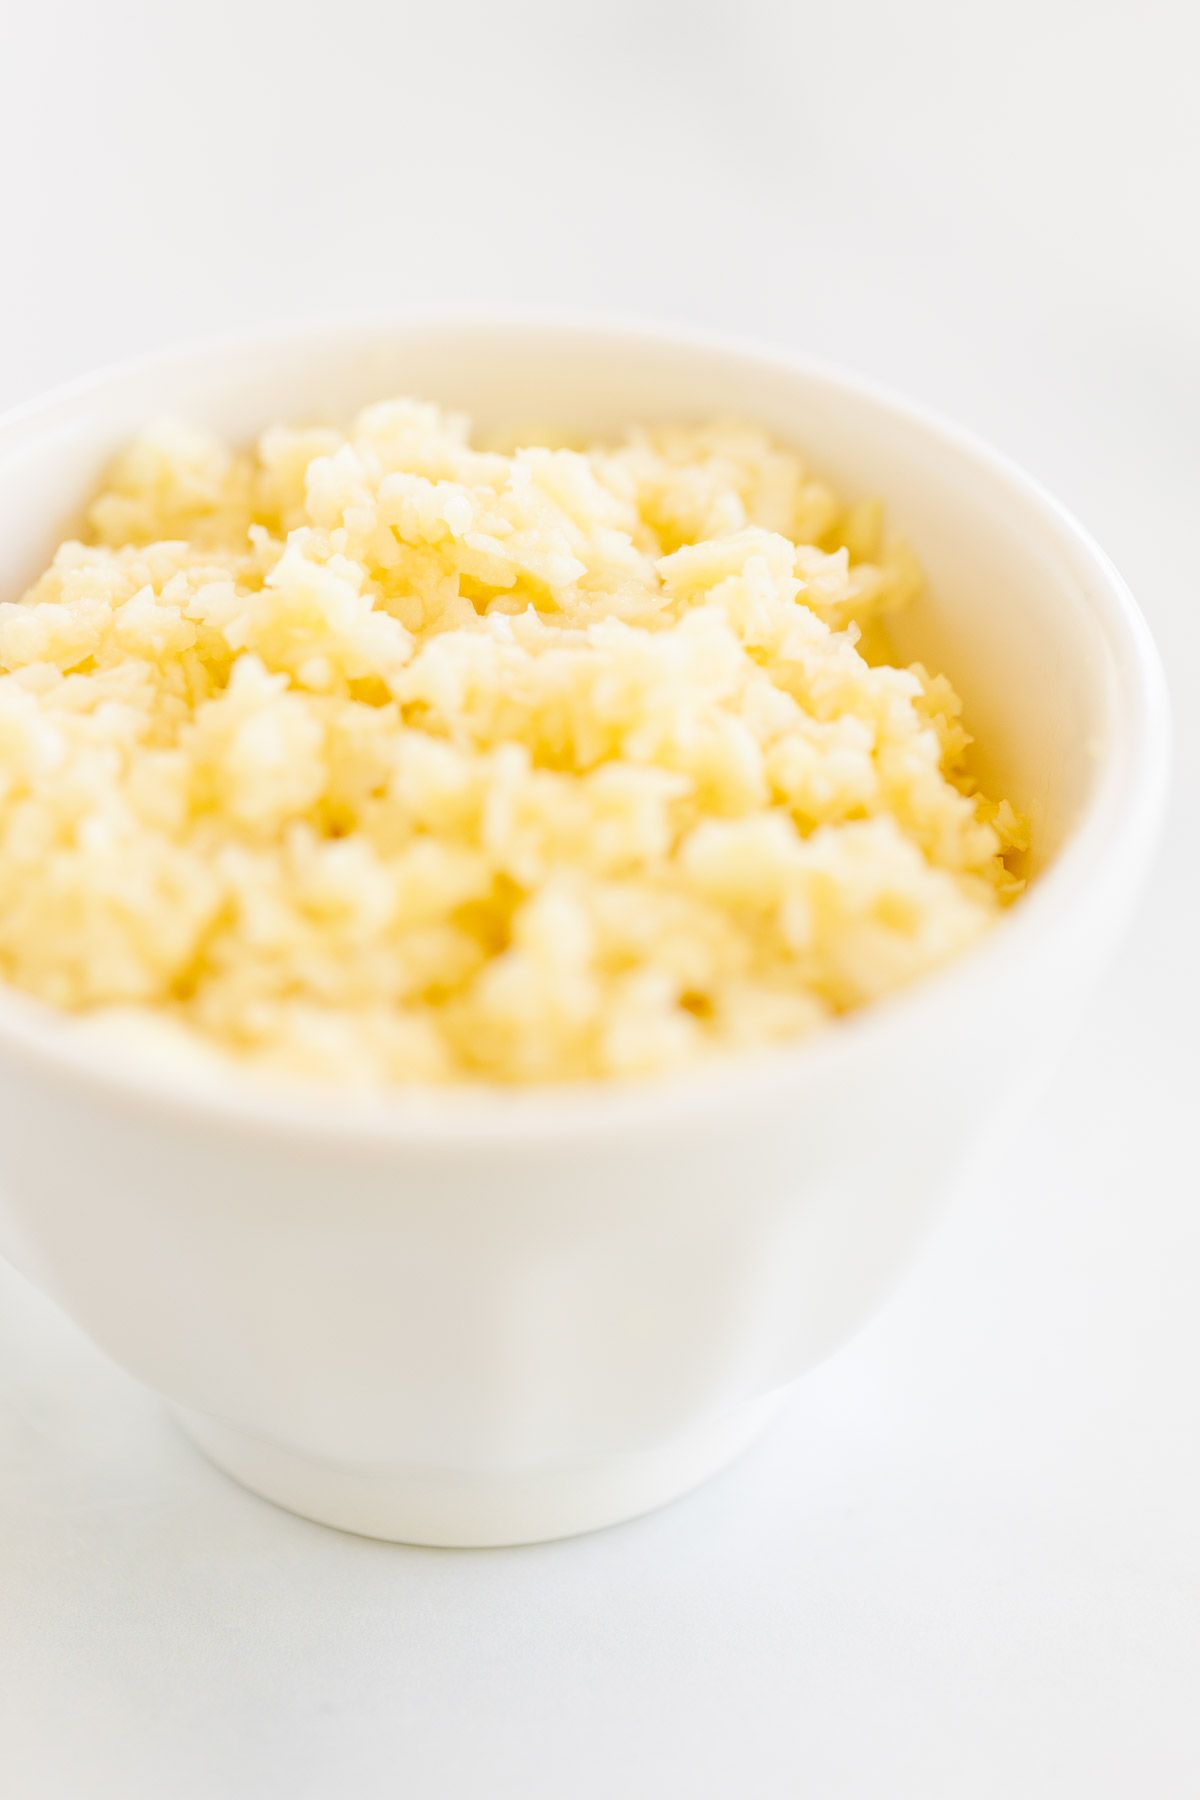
{"x": 466, "y": 1509}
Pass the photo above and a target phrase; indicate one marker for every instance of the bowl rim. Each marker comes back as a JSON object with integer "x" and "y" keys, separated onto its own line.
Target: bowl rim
{"x": 1107, "y": 848}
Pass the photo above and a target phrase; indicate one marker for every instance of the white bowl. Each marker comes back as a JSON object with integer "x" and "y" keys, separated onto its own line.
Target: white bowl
{"x": 481, "y": 1318}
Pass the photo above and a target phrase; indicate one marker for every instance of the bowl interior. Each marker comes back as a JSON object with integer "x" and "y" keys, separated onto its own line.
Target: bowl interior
{"x": 1008, "y": 613}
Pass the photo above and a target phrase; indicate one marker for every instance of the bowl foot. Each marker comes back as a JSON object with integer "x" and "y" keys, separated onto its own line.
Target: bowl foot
{"x": 466, "y": 1509}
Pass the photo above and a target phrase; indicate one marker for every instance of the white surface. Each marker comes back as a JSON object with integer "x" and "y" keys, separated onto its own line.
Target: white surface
{"x": 967, "y": 1560}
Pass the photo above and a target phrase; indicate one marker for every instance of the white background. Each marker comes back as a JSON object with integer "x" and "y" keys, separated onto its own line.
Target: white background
{"x": 967, "y": 1563}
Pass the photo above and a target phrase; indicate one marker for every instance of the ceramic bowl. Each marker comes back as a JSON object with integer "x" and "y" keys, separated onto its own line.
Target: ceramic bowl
{"x": 480, "y": 1318}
